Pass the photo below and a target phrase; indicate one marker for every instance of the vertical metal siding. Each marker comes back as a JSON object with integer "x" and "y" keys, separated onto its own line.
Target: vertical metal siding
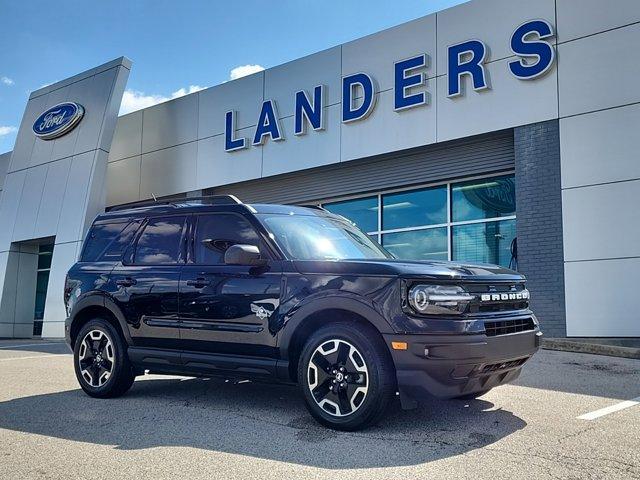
{"x": 479, "y": 155}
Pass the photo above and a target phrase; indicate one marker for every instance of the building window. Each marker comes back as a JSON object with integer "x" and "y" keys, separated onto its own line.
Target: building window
{"x": 468, "y": 221}
{"x": 45, "y": 254}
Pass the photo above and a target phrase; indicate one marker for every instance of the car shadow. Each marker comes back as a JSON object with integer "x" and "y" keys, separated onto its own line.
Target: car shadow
{"x": 257, "y": 420}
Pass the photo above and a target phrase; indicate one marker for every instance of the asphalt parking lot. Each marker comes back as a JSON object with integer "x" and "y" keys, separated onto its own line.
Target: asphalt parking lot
{"x": 173, "y": 427}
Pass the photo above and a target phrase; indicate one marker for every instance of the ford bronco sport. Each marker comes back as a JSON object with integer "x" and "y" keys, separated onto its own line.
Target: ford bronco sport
{"x": 214, "y": 287}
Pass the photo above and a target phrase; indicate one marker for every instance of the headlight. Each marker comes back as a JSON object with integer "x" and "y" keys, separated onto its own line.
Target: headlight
{"x": 439, "y": 299}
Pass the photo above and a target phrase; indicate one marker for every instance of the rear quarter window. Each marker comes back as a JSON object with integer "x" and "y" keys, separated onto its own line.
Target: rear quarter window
{"x": 108, "y": 241}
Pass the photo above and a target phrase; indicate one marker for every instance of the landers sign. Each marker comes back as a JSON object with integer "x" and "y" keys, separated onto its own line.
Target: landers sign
{"x": 530, "y": 42}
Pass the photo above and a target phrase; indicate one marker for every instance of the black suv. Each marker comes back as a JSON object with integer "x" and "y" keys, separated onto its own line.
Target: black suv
{"x": 214, "y": 287}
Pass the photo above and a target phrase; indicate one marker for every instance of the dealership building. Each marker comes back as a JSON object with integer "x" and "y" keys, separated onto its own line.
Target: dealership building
{"x": 499, "y": 131}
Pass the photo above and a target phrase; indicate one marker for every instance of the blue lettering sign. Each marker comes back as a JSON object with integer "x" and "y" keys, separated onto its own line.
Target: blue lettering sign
{"x": 231, "y": 143}
{"x": 350, "y": 83}
{"x": 524, "y": 46}
{"x": 267, "y": 124}
{"x": 306, "y": 112}
{"x": 404, "y": 82}
{"x": 473, "y": 66}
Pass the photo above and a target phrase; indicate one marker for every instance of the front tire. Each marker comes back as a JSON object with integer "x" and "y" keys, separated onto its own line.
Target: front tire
{"x": 100, "y": 360}
{"x": 346, "y": 375}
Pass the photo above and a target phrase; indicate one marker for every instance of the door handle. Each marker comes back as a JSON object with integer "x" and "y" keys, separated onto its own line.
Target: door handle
{"x": 126, "y": 282}
{"x": 198, "y": 282}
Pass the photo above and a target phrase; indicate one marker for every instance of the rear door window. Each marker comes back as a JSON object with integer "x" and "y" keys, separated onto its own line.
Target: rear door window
{"x": 161, "y": 242}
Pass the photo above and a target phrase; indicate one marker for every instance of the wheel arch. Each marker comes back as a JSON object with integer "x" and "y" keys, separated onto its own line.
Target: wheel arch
{"x": 320, "y": 313}
{"x": 93, "y": 307}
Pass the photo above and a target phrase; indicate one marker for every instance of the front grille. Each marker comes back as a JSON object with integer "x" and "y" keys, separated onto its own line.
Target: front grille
{"x": 478, "y": 306}
{"x": 493, "y": 367}
{"x": 505, "y": 327}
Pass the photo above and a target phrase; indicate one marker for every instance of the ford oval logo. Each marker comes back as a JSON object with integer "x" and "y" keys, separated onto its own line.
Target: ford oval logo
{"x": 58, "y": 120}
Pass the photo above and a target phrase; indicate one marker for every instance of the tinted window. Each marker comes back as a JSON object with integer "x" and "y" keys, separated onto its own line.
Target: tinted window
{"x": 116, "y": 248}
{"x": 362, "y": 211}
{"x": 428, "y": 244}
{"x": 99, "y": 238}
{"x": 485, "y": 198}
{"x": 159, "y": 243}
{"x": 216, "y": 233}
{"x": 415, "y": 208}
{"x": 487, "y": 242}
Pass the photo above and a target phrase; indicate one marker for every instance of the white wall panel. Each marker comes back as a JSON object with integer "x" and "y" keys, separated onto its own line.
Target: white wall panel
{"x": 11, "y": 195}
{"x": 492, "y": 21}
{"x": 169, "y": 171}
{"x": 578, "y": 18}
{"x": 282, "y": 82}
{"x": 5, "y": 159}
{"x": 51, "y": 201}
{"x": 170, "y": 123}
{"x": 600, "y": 298}
{"x": 29, "y": 203}
{"x": 600, "y": 147}
{"x": 386, "y": 130}
{"x": 314, "y": 149}
{"x": 217, "y": 167}
{"x": 94, "y": 96}
{"x": 243, "y": 95}
{"x": 376, "y": 54}
{"x": 599, "y": 222}
{"x": 123, "y": 181}
{"x": 75, "y": 197}
{"x": 599, "y": 72}
{"x": 127, "y": 139}
{"x": 509, "y": 102}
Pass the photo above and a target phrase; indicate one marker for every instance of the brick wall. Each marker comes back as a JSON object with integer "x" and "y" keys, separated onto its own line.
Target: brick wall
{"x": 539, "y": 221}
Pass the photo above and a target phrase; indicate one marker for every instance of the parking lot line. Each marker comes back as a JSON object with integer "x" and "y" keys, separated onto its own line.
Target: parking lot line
{"x": 607, "y": 410}
{"x": 35, "y": 356}
{"x": 9, "y": 347}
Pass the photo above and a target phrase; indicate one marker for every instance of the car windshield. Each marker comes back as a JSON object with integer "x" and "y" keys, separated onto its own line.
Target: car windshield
{"x": 309, "y": 237}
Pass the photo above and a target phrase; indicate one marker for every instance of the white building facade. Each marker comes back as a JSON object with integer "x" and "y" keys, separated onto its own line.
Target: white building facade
{"x": 446, "y": 138}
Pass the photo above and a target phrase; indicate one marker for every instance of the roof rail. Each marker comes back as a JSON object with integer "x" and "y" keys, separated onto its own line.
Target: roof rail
{"x": 212, "y": 199}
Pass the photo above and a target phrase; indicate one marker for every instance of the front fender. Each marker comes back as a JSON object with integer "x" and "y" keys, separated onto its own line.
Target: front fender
{"x": 328, "y": 301}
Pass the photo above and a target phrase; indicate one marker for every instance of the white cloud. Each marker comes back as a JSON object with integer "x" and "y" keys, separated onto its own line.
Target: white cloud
{"x": 7, "y": 81}
{"x": 244, "y": 70}
{"x": 7, "y": 131}
{"x": 133, "y": 100}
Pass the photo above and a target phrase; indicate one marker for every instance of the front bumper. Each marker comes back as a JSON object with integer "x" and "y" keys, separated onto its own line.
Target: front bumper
{"x": 448, "y": 366}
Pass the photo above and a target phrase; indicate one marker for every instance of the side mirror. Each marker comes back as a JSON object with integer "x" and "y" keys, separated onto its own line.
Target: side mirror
{"x": 248, "y": 255}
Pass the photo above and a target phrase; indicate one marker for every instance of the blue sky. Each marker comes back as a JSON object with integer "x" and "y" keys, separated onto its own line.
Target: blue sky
{"x": 176, "y": 47}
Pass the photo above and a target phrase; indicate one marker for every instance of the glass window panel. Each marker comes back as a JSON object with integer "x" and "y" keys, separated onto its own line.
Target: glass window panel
{"x": 216, "y": 233}
{"x": 45, "y": 254}
{"x": 428, "y": 244}
{"x": 159, "y": 244}
{"x": 484, "y": 198}
{"x": 42, "y": 281}
{"x": 117, "y": 247}
{"x": 488, "y": 242}
{"x": 362, "y": 211}
{"x": 415, "y": 208}
{"x": 99, "y": 238}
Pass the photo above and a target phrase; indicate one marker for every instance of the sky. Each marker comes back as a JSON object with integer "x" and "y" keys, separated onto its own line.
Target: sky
{"x": 177, "y": 47}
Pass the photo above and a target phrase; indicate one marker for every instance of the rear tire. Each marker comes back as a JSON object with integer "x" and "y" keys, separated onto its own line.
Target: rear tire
{"x": 347, "y": 376}
{"x": 100, "y": 360}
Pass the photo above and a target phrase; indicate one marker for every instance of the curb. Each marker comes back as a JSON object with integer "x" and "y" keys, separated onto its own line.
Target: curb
{"x": 593, "y": 348}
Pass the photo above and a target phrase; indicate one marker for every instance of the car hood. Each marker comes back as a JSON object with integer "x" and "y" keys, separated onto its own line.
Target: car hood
{"x": 412, "y": 269}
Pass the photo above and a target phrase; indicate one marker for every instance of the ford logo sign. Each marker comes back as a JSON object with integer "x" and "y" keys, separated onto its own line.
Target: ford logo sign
{"x": 58, "y": 120}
